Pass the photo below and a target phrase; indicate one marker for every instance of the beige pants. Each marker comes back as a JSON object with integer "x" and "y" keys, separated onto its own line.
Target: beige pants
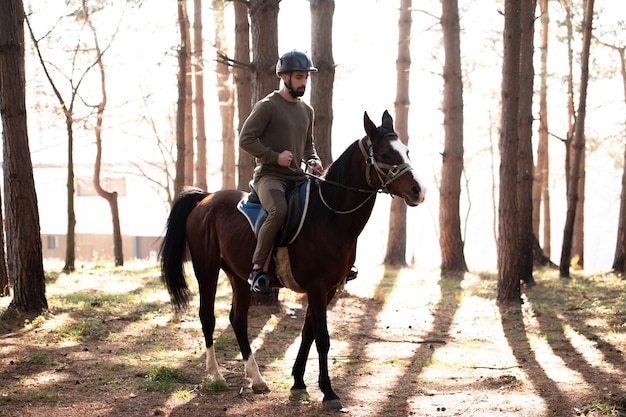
{"x": 271, "y": 192}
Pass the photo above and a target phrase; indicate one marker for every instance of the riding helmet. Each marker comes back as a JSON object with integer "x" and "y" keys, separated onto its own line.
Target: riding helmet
{"x": 294, "y": 61}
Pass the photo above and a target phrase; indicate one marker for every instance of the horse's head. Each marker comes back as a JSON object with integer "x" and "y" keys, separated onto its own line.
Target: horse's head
{"x": 388, "y": 166}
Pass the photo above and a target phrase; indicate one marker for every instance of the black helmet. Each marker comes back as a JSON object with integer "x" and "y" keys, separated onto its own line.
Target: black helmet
{"x": 294, "y": 61}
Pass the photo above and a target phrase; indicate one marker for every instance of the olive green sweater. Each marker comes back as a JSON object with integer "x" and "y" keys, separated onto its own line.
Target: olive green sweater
{"x": 276, "y": 125}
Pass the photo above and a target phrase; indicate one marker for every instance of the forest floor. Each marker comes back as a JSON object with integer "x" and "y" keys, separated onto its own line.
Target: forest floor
{"x": 403, "y": 343}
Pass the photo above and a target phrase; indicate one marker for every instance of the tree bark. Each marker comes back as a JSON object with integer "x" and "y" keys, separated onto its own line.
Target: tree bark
{"x": 525, "y": 149}
{"x": 541, "y": 189}
{"x": 578, "y": 146}
{"x": 322, "y": 82}
{"x": 450, "y": 238}
{"x": 243, "y": 80}
{"x": 179, "y": 181}
{"x": 395, "y": 255}
{"x": 508, "y": 291}
{"x": 24, "y": 250}
{"x": 198, "y": 72}
{"x": 189, "y": 139}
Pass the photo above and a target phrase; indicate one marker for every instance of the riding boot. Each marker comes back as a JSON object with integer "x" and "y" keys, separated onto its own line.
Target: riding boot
{"x": 260, "y": 281}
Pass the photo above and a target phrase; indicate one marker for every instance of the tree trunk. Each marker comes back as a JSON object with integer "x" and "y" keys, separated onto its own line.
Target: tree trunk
{"x": 24, "y": 251}
{"x": 264, "y": 24}
{"x": 508, "y": 291}
{"x": 5, "y": 290}
{"x": 243, "y": 80}
{"x": 70, "y": 248}
{"x": 110, "y": 197}
{"x": 525, "y": 149}
{"x": 578, "y": 146}
{"x": 577, "y": 257}
{"x": 179, "y": 181}
{"x": 198, "y": 71}
{"x": 450, "y": 238}
{"x": 322, "y": 82}
{"x": 225, "y": 97}
{"x": 395, "y": 255}
{"x": 541, "y": 189}
{"x": 189, "y": 145}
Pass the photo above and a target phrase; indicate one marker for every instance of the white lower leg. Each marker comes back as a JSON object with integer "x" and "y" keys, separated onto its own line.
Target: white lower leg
{"x": 212, "y": 367}
{"x": 252, "y": 371}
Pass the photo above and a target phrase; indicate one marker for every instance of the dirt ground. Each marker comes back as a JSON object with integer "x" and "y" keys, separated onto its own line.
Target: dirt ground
{"x": 403, "y": 343}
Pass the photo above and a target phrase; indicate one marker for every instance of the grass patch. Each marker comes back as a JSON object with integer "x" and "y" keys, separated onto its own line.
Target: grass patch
{"x": 161, "y": 378}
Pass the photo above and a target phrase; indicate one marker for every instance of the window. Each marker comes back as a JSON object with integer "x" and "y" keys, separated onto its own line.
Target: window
{"x": 52, "y": 242}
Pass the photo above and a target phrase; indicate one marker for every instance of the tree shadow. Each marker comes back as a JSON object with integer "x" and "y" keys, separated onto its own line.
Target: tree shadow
{"x": 443, "y": 315}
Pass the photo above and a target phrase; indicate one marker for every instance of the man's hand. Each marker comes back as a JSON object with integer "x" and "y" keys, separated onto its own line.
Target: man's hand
{"x": 285, "y": 158}
{"x": 316, "y": 166}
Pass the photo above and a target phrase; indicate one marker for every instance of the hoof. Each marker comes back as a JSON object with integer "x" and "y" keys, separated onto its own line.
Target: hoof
{"x": 260, "y": 389}
{"x": 299, "y": 395}
{"x": 333, "y": 404}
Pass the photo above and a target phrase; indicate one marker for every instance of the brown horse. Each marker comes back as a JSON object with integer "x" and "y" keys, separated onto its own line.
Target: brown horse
{"x": 220, "y": 237}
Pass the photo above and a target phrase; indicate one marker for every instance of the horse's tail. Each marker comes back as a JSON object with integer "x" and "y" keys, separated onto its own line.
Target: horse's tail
{"x": 173, "y": 251}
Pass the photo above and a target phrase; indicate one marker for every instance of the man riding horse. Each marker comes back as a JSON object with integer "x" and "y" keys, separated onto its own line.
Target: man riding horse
{"x": 279, "y": 134}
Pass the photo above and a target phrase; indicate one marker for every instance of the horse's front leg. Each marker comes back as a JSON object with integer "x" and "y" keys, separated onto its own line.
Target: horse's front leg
{"x": 299, "y": 366}
{"x": 316, "y": 316}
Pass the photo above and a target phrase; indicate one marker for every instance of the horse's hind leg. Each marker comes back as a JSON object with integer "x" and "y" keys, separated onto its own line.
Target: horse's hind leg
{"x": 239, "y": 321}
{"x": 207, "y": 276}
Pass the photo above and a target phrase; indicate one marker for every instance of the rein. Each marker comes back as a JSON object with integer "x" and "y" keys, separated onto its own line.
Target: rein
{"x": 393, "y": 173}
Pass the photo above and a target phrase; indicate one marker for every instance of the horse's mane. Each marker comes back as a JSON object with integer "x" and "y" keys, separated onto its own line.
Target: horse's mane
{"x": 338, "y": 172}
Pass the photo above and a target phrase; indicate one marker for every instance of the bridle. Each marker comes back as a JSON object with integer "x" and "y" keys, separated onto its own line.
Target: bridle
{"x": 393, "y": 171}
{"x": 386, "y": 175}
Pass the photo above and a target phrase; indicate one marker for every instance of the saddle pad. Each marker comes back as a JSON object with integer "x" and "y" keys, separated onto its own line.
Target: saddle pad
{"x": 298, "y": 202}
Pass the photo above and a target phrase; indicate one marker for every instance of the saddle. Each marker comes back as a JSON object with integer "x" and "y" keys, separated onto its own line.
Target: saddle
{"x": 297, "y": 204}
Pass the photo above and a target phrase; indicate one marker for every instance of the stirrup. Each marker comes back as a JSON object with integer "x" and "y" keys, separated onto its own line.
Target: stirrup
{"x": 260, "y": 281}
{"x": 352, "y": 274}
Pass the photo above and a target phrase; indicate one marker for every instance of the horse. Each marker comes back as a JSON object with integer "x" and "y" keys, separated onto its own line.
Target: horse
{"x": 218, "y": 236}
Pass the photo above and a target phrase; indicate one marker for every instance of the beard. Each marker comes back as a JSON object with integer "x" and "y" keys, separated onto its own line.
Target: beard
{"x": 296, "y": 93}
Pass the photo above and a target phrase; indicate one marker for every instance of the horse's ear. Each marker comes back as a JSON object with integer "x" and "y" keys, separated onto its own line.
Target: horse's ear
{"x": 387, "y": 120}
{"x": 370, "y": 127}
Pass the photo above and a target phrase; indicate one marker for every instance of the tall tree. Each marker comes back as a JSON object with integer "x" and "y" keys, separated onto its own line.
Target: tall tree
{"x": 525, "y": 149}
{"x": 322, "y": 12}
{"x": 508, "y": 232}
{"x": 541, "y": 189}
{"x": 109, "y": 196}
{"x": 179, "y": 181}
{"x": 243, "y": 82}
{"x": 450, "y": 239}
{"x": 578, "y": 146}
{"x": 225, "y": 98}
{"x": 198, "y": 99}
{"x": 24, "y": 250}
{"x": 75, "y": 80}
{"x": 395, "y": 255}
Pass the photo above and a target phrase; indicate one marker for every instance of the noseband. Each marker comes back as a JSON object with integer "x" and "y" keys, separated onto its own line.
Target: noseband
{"x": 386, "y": 173}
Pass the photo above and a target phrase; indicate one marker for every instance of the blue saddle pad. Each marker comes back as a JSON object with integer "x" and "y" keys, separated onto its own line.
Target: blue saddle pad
{"x": 297, "y": 201}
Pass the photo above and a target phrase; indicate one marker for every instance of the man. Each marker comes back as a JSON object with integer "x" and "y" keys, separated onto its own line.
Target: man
{"x": 279, "y": 134}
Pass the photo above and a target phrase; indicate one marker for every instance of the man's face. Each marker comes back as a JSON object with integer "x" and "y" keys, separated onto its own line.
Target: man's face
{"x": 298, "y": 80}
